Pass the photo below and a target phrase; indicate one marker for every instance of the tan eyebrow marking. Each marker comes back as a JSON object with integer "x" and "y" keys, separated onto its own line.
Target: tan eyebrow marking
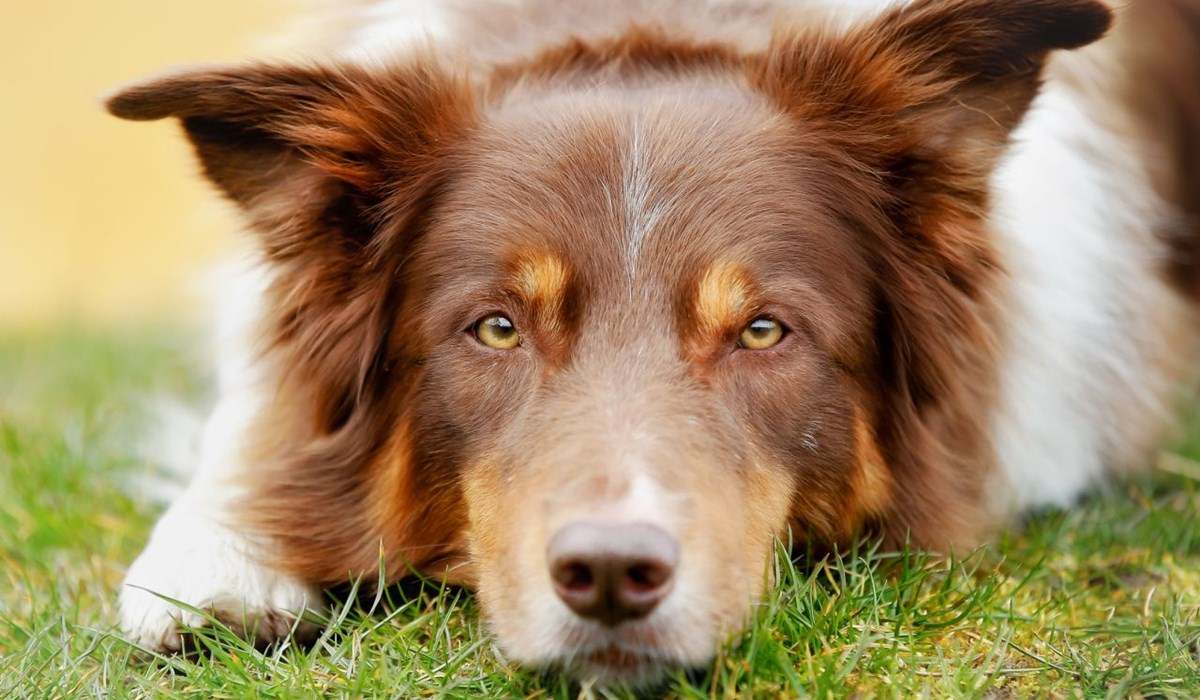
{"x": 540, "y": 277}
{"x": 723, "y": 297}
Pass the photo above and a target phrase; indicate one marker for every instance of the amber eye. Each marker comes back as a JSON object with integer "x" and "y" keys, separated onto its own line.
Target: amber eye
{"x": 497, "y": 331}
{"x": 762, "y": 333}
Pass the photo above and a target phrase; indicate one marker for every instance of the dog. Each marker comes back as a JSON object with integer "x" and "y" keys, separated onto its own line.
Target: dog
{"x": 584, "y": 304}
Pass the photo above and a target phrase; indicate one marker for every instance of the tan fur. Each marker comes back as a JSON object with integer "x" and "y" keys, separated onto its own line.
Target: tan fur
{"x": 541, "y": 279}
{"x": 872, "y": 489}
{"x": 723, "y": 299}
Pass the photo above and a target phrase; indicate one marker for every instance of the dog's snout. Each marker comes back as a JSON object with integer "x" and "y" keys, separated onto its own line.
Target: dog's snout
{"x": 612, "y": 573}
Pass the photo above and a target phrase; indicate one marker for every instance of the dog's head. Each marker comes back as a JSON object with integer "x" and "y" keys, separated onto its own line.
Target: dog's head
{"x": 590, "y": 332}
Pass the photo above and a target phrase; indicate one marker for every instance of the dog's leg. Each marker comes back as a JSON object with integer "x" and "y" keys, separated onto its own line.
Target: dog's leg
{"x": 196, "y": 554}
{"x": 193, "y": 558}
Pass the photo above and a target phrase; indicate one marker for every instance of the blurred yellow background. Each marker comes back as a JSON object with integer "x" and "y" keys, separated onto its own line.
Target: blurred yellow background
{"x": 104, "y": 220}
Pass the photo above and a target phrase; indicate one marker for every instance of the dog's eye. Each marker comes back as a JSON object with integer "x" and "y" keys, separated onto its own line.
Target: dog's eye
{"x": 497, "y": 331}
{"x": 762, "y": 333}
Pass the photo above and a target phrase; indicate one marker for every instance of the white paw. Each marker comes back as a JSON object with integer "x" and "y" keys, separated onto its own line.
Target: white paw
{"x": 198, "y": 562}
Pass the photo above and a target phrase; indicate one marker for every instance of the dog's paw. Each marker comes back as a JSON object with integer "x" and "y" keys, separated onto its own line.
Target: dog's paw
{"x": 194, "y": 561}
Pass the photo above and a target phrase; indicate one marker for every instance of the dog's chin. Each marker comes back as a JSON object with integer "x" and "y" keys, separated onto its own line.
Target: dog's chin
{"x": 616, "y": 665}
{"x": 636, "y": 657}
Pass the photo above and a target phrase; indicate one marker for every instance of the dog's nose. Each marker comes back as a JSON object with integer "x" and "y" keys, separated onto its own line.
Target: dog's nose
{"x": 612, "y": 573}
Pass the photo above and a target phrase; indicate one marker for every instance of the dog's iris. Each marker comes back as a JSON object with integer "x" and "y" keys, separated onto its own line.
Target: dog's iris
{"x": 762, "y": 333}
{"x": 497, "y": 331}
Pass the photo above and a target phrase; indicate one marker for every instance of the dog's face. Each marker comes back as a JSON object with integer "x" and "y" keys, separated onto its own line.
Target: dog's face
{"x": 635, "y": 324}
{"x": 592, "y": 345}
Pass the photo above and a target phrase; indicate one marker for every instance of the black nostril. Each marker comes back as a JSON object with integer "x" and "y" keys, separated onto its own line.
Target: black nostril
{"x": 647, "y": 575}
{"x": 575, "y": 576}
{"x": 575, "y": 584}
{"x": 612, "y": 573}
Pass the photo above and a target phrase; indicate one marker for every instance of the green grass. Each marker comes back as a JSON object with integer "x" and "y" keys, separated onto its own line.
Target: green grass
{"x": 1101, "y": 601}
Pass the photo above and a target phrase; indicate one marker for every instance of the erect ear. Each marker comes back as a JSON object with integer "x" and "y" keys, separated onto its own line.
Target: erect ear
{"x": 960, "y": 72}
{"x": 908, "y": 115}
{"x": 305, "y": 150}
{"x": 331, "y": 165}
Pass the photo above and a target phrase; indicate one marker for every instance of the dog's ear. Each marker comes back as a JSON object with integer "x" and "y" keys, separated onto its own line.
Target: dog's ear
{"x": 956, "y": 74}
{"x": 308, "y": 151}
{"x": 332, "y": 165}
{"x": 909, "y": 114}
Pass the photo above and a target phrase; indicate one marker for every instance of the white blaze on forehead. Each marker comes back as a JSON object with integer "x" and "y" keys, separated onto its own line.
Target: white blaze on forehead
{"x": 642, "y": 212}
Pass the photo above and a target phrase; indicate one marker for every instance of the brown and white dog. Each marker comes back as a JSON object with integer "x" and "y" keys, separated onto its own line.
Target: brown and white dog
{"x": 584, "y": 303}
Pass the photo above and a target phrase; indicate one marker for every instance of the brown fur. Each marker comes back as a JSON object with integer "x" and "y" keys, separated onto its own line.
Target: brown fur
{"x": 930, "y": 116}
{"x": 1162, "y": 40}
{"x": 835, "y": 182}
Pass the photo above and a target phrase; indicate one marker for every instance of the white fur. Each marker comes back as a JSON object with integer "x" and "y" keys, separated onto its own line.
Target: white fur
{"x": 847, "y": 13}
{"x": 392, "y": 26}
{"x": 1075, "y": 214}
{"x": 194, "y": 559}
{"x": 1063, "y": 244}
{"x": 642, "y": 212}
{"x": 196, "y": 555}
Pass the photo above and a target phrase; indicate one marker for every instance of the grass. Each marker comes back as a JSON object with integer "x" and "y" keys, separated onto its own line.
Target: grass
{"x": 1101, "y": 601}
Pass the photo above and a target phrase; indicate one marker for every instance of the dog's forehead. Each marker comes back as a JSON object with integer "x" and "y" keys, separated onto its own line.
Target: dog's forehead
{"x": 629, "y": 189}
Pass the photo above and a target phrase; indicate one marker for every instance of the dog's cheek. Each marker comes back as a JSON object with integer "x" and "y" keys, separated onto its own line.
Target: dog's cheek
{"x": 733, "y": 531}
{"x": 871, "y": 485}
{"x": 496, "y": 544}
{"x": 769, "y": 495}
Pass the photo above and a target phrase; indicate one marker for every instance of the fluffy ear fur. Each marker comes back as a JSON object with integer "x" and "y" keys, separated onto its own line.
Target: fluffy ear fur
{"x": 961, "y": 72}
{"x": 331, "y": 164}
{"x": 915, "y": 109}
{"x": 312, "y": 153}
{"x": 334, "y": 167}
